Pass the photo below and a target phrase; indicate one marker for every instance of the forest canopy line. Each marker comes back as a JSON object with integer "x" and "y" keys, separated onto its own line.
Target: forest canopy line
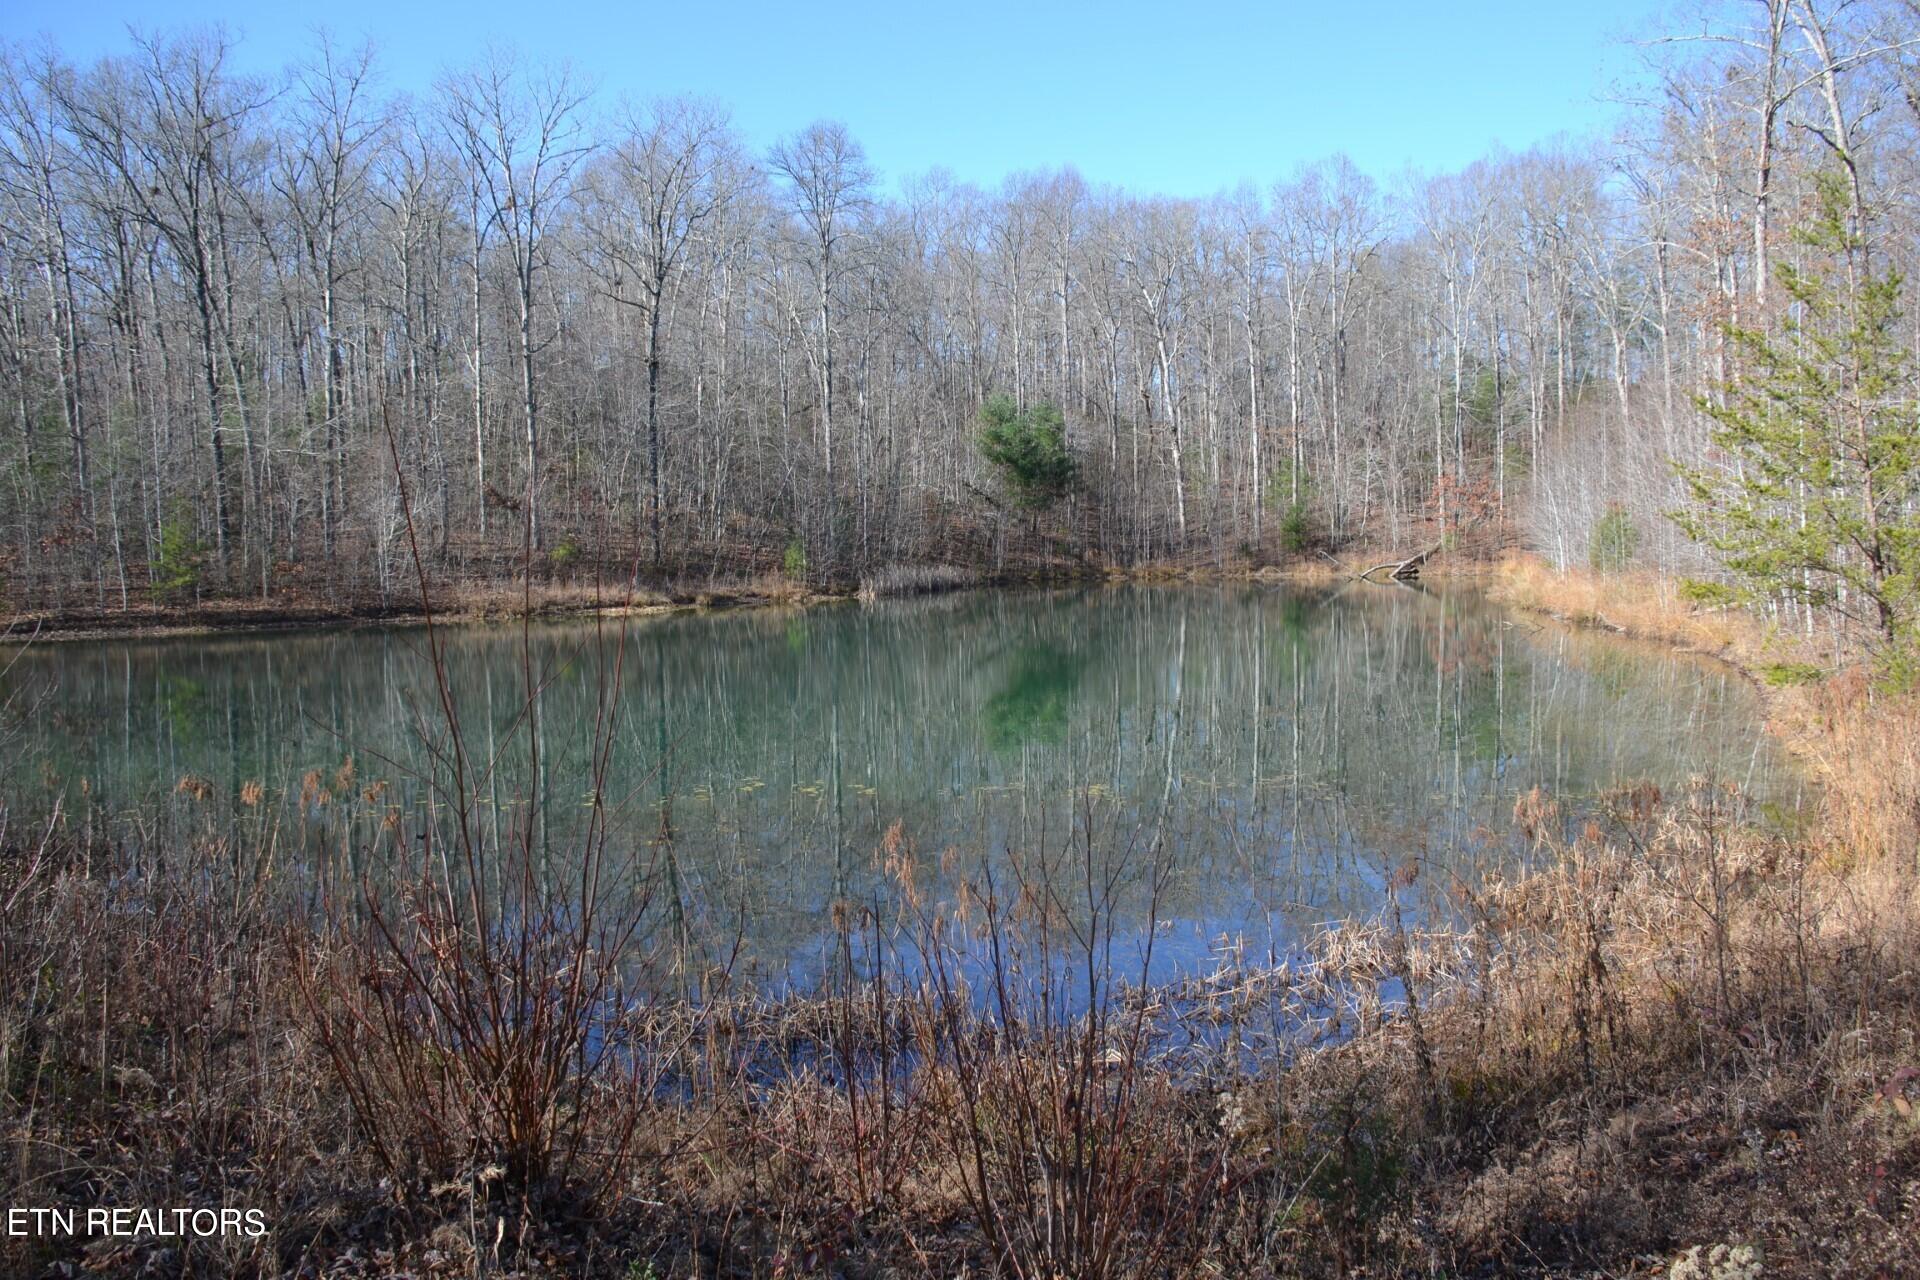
{"x": 623, "y": 339}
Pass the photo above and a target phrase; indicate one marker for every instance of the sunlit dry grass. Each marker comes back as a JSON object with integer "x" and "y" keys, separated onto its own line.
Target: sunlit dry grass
{"x": 1638, "y": 604}
{"x": 510, "y": 600}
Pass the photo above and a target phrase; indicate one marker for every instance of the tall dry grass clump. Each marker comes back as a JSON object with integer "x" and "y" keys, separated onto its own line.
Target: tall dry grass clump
{"x": 150, "y": 1055}
{"x": 1864, "y": 746}
{"x": 915, "y": 580}
{"x": 505, "y": 600}
{"x": 1705, "y": 1022}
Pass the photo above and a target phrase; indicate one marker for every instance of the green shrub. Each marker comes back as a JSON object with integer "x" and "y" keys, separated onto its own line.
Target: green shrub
{"x": 1298, "y": 529}
{"x": 176, "y": 572}
{"x": 794, "y": 562}
{"x": 1897, "y": 665}
{"x": 1029, "y": 450}
{"x": 1615, "y": 540}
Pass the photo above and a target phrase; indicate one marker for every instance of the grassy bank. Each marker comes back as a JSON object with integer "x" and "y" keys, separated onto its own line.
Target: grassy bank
{"x": 466, "y": 602}
{"x": 1686, "y": 1032}
{"x": 486, "y": 601}
{"x": 507, "y": 598}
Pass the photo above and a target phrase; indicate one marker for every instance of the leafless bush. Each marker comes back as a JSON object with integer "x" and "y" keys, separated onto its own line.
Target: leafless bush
{"x": 474, "y": 1005}
{"x": 1066, "y": 1144}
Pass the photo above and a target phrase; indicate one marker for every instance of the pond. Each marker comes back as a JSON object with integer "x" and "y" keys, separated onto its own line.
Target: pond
{"x": 1283, "y": 752}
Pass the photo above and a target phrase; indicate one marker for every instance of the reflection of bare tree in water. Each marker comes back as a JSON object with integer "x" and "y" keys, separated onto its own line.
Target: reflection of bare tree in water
{"x": 1290, "y": 749}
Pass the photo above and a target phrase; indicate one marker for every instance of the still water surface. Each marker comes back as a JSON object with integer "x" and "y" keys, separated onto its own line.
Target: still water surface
{"x": 1288, "y": 751}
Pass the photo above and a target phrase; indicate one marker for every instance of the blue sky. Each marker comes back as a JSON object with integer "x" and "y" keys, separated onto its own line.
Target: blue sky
{"x": 1155, "y": 97}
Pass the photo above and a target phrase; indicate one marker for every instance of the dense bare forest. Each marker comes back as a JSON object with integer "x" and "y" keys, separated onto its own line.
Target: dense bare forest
{"x": 240, "y": 311}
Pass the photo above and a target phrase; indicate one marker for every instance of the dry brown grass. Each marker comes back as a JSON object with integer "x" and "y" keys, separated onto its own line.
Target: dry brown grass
{"x": 148, "y": 1058}
{"x": 555, "y": 600}
{"x": 1637, "y": 604}
{"x": 473, "y": 600}
{"x": 1307, "y": 572}
{"x": 1310, "y": 570}
{"x": 1687, "y": 1033}
{"x": 916, "y": 580}
{"x": 1682, "y": 1032}
{"x": 765, "y": 588}
{"x": 512, "y": 600}
{"x": 1864, "y": 746}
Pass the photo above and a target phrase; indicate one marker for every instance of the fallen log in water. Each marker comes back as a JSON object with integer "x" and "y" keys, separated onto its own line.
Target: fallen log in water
{"x": 1405, "y": 570}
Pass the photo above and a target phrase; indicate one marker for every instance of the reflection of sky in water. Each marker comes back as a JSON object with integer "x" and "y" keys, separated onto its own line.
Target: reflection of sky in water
{"x": 1286, "y": 750}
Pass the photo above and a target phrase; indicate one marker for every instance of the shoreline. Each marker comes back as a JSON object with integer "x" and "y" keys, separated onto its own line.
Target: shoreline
{"x": 1645, "y": 610}
{"x": 473, "y": 604}
{"x": 225, "y": 619}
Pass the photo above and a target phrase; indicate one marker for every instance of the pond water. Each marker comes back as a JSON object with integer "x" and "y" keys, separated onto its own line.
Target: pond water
{"x": 1283, "y": 752}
